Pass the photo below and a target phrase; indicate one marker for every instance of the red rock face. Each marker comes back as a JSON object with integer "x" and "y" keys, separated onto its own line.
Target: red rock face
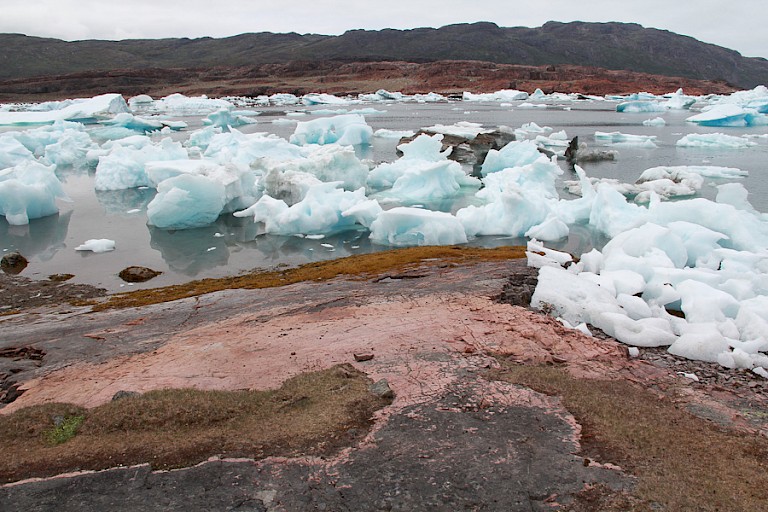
{"x": 445, "y": 77}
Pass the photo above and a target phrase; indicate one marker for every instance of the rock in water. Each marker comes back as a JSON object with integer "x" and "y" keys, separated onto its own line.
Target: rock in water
{"x": 138, "y": 274}
{"x": 13, "y": 263}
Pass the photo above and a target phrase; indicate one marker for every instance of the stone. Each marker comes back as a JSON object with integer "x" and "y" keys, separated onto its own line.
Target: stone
{"x": 136, "y": 274}
{"x": 382, "y": 390}
{"x": 120, "y": 395}
{"x": 13, "y": 263}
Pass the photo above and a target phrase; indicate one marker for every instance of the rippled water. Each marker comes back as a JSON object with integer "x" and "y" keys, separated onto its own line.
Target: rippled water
{"x": 232, "y": 245}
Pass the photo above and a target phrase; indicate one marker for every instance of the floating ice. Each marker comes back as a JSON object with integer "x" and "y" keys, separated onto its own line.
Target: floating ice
{"x": 180, "y": 105}
{"x": 403, "y": 227}
{"x": 502, "y": 95}
{"x": 722, "y": 115}
{"x": 97, "y": 245}
{"x": 462, "y": 129}
{"x": 29, "y": 191}
{"x": 141, "y": 124}
{"x": 514, "y": 154}
{"x": 423, "y": 173}
{"x": 656, "y": 121}
{"x": 124, "y": 165}
{"x": 345, "y": 130}
{"x": 648, "y": 141}
{"x": 384, "y": 133}
{"x": 519, "y": 194}
{"x": 186, "y": 201}
{"x": 85, "y": 111}
{"x": 239, "y": 185}
{"x": 714, "y": 140}
{"x": 679, "y": 101}
{"x": 323, "y": 99}
{"x": 224, "y": 118}
{"x": 530, "y": 129}
{"x": 640, "y": 106}
{"x": 322, "y": 211}
{"x": 13, "y": 152}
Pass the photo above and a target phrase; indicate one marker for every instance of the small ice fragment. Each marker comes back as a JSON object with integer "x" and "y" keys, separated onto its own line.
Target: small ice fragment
{"x": 135, "y": 210}
{"x": 218, "y": 235}
{"x": 633, "y": 352}
{"x": 210, "y": 249}
{"x": 355, "y": 247}
{"x": 315, "y": 237}
{"x": 759, "y": 370}
{"x": 327, "y": 246}
{"x": 691, "y": 376}
{"x": 97, "y": 245}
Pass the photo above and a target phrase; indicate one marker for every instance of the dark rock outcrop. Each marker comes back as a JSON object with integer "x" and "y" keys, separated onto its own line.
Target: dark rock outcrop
{"x": 136, "y": 274}
{"x": 13, "y": 263}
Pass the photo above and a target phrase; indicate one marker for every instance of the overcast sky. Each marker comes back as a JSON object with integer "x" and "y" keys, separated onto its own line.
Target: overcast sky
{"x": 741, "y": 25}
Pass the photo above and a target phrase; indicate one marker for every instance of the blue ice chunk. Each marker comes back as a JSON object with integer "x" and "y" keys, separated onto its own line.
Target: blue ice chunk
{"x": 403, "y": 227}
{"x": 186, "y": 201}
{"x": 346, "y": 130}
{"x": 29, "y": 191}
{"x": 640, "y": 106}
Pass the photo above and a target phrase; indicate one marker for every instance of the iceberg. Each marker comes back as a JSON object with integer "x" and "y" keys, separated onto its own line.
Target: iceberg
{"x": 179, "y": 105}
{"x": 29, "y": 191}
{"x": 463, "y": 129}
{"x": 345, "y": 130}
{"x": 322, "y": 211}
{"x": 323, "y": 99}
{"x": 84, "y": 111}
{"x": 656, "y": 121}
{"x": 639, "y": 106}
{"x": 679, "y": 101}
{"x": 13, "y": 152}
{"x": 423, "y": 173}
{"x": 224, "y": 118}
{"x": 97, "y": 245}
{"x": 714, "y": 140}
{"x": 514, "y": 154}
{"x": 722, "y": 115}
{"x": 239, "y": 186}
{"x": 648, "y": 141}
{"x": 186, "y": 201}
{"x": 516, "y": 198}
{"x": 124, "y": 165}
{"x": 502, "y": 95}
{"x": 404, "y": 227}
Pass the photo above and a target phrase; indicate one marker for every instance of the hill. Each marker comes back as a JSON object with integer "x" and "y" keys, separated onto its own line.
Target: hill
{"x": 614, "y": 46}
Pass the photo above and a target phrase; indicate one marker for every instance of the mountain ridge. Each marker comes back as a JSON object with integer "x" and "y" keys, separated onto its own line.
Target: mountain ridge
{"x": 611, "y": 45}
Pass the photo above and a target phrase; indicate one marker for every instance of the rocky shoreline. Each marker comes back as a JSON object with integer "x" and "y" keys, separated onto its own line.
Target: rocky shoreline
{"x": 453, "y": 437}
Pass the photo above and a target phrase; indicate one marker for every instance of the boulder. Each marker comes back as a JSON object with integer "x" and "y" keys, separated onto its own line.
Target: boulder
{"x": 138, "y": 274}
{"x": 13, "y": 263}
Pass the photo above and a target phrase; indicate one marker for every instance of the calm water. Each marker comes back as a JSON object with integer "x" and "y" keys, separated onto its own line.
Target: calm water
{"x": 232, "y": 245}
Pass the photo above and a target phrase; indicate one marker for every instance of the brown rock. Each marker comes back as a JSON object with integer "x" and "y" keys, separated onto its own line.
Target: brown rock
{"x": 13, "y": 263}
{"x": 138, "y": 274}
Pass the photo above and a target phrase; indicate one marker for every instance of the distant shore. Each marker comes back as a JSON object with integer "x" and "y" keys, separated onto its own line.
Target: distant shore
{"x": 351, "y": 78}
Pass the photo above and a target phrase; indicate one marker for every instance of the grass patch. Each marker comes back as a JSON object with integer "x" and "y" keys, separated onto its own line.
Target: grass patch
{"x": 682, "y": 462}
{"x": 313, "y": 413}
{"x": 63, "y": 430}
{"x": 362, "y": 266}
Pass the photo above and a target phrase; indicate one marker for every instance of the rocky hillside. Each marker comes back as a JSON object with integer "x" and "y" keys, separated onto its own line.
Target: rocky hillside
{"x": 614, "y": 46}
{"x": 335, "y": 77}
